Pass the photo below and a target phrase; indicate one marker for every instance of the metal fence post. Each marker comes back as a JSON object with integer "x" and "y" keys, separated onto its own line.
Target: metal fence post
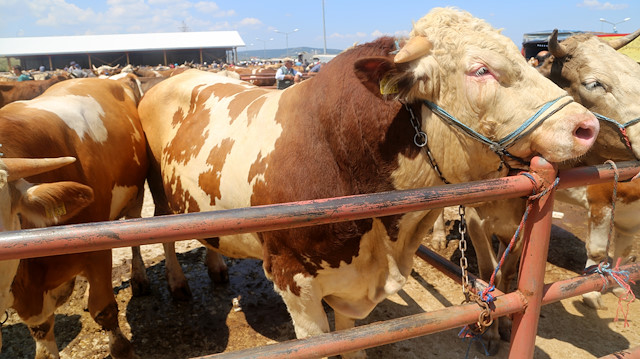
{"x": 532, "y": 265}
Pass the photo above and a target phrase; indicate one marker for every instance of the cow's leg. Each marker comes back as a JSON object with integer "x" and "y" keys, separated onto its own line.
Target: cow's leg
{"x": 43, "y": 334}
{"x": 176, "y": 280}
{"x": 622, "y": 247}
{"x": 42, "y": 330}
{"x": 307, "y": 313}
{"x": 439, "y": 237}
{"x": 8, "y": 269}
{"x": 345, "y": 322}
{"x": 103, "y": 307}
{"x": 596, "y": 245}
{"x": 216, "y": 267}
{"x": 508, "y": 273}
{"x": 140, "y": 284}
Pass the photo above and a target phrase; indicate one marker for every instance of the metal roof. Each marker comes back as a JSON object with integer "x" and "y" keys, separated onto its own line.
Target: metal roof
{"x": 51, "y": 45}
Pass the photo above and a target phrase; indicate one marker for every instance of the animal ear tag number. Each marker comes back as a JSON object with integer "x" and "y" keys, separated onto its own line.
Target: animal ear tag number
{"x": 385, "y": 89}
{"x": 59, "y": 211}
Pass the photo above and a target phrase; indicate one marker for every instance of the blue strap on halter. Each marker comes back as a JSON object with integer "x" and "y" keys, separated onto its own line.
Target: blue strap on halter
{"x": 505, "y": 142}
{"x": 621, "y": 126}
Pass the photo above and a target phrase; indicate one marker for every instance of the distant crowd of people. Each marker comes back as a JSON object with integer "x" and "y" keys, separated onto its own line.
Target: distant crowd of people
{"x": 285, "y": 76}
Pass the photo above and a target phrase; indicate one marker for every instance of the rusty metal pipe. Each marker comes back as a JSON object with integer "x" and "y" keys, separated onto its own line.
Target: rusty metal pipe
{"x": 632, "y": 353}
{"x": 376, "y": 334}
{"x": 557, "y": 291}
{"x": 104, "y": 235}
{"x": 394, "y": 330}
{"x": 533, "y": 260}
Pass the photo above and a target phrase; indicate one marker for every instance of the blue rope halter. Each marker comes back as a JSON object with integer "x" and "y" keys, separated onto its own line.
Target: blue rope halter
{"x": 500, "y": 147}
{"x": 622, "y": 127}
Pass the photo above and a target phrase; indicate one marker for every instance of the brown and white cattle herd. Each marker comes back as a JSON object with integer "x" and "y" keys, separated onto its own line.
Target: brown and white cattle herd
{"x": 81, "y": 150}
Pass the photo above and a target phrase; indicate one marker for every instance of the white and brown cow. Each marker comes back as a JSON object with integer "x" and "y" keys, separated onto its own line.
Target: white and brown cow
{"x": 219, "y": 143}
{"x": 95, "y": 122}
{"x": 608, "y": 83}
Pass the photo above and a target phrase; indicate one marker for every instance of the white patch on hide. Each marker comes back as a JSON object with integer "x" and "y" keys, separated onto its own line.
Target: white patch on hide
{"x": 83, "y": 114}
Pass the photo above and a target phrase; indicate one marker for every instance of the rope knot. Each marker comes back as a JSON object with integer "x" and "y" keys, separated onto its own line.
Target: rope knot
{"x": 622, "y": 279}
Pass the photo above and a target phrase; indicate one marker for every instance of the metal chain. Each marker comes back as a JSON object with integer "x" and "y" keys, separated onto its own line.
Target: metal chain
{"x": 485, "y": 319}
{"x": 420, "y": 140}
{"x": 462, "y": 246}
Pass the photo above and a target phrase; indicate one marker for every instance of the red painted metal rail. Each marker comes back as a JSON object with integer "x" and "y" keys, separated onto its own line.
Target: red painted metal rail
{"x": 524, "y": 303}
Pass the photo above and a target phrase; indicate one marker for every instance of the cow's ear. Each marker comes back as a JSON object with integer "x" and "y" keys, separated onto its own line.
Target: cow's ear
{"x": 374, "y": 72}
{"x": 131, "y": 80}
{"x": 53, "y": 203}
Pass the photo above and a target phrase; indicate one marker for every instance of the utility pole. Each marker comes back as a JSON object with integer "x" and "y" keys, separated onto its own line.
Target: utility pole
{"x": 324, "y": 29}
{"x": 286, "y": 34}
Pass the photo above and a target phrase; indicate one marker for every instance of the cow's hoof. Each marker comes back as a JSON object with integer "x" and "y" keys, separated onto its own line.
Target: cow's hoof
{"x": 140, "y": 288}
{"x": 181, "y": 293}
{"x": 490, "y": 347}
{"x": 219, "y": 276}
{"x": 619, "y": 292}
{"x": 593, "y": 300}
{"x": 504, "y": 328}
{"x": 489, "y": 343}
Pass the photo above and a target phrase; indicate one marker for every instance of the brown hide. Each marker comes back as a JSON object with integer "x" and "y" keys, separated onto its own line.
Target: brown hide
{"x": 11, "y": 91}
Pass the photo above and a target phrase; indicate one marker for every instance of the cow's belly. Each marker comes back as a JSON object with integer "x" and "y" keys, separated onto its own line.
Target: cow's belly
{"x": 239, "y": 246}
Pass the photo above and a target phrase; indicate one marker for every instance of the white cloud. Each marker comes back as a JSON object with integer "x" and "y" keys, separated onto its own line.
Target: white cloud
{"x": 134, "y": 16}
{"x": 58, "y": 12}
{"x": 595, "y": 4}
{"x": 212, "y": 8}
{"x": 249, "y": 21}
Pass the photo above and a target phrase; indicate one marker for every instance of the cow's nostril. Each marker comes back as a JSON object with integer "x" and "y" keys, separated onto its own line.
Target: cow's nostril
{"x": 585, "y": 133}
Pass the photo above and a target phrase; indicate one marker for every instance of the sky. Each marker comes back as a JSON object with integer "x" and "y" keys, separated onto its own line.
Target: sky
{"x": 345, "y": 21}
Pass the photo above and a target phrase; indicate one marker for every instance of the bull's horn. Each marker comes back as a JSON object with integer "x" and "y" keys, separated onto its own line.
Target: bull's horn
{"x": 416, "y": 46}
{"x": 25, "y": 167}
{"x": 556, "y": 49}
{"x": 621, "y": 42}
{"x": 94, "y": 67}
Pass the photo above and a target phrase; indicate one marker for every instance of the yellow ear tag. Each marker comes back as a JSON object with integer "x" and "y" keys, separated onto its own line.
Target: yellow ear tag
{"x": 385, "y": 89}
{"x": 59, "y": 211}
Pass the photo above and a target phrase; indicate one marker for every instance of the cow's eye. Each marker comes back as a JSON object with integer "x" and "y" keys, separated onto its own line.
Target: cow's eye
{"x": 592, "y": 85}
{"x": 482, "y": 71}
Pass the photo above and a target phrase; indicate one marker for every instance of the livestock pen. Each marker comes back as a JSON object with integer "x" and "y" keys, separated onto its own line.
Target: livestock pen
{"x": 76, "y": 238}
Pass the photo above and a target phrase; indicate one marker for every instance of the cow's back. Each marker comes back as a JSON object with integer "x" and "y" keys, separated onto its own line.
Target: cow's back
{"x": 209, "y": 144}
{"x": 97, "y": 123}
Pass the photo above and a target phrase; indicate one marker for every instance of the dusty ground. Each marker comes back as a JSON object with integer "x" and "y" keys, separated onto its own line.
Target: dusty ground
{"x": 160, "y": 328}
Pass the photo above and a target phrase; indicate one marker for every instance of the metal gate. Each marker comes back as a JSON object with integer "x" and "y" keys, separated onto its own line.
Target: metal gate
{"x": 524, "y": 303}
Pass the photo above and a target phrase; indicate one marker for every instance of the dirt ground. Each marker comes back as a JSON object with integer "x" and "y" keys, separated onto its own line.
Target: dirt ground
{"x": 161, "y": 328}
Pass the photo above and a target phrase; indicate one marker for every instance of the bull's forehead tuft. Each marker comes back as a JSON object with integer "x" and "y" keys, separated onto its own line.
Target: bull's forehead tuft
{"x": 449, "y": 28}
{"x": 440, "y": 18}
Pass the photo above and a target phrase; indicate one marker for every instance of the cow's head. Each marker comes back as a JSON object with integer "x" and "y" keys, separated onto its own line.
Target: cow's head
{"x": 39, "y": 204}
{"x": 603, "y": 80}
{"x": 478, "y": 75}
{"x": 42, "y": 204}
